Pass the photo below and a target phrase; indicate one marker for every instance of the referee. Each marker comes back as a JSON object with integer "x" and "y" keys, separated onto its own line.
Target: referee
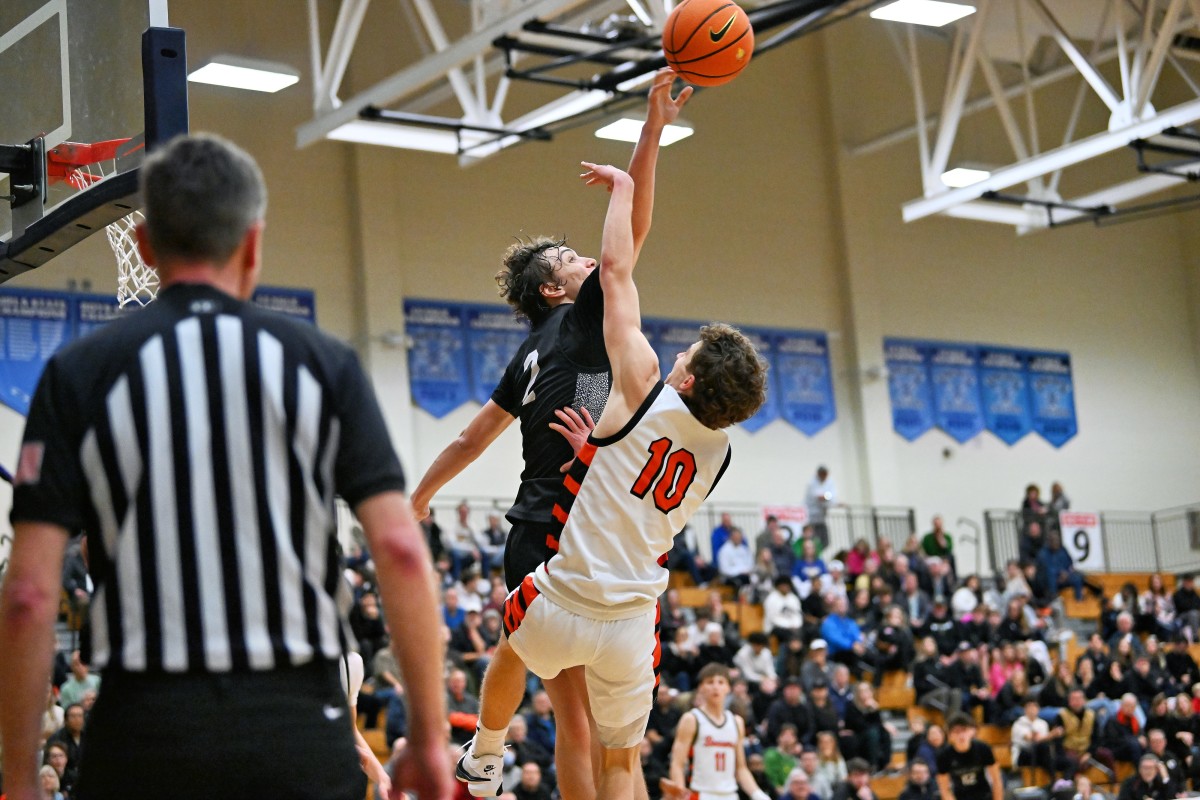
{"x": 200, "y": 443}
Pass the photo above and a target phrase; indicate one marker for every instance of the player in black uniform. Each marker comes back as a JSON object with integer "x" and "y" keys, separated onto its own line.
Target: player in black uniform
{"x": 561, "y": 367}
{"x": 967, "y": 767}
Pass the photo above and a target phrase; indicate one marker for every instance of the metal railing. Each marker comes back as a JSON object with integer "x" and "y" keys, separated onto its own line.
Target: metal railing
{"x": 1131, "y": 541}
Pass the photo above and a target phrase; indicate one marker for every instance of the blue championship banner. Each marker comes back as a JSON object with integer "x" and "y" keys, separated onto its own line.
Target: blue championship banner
{"x": 494, "y": 335}
{"x": 669, "y": 338}
{"x": 909, "y": 386}
{"x": 297, "y": 303}
{"x": 33, "y": 324}
{"x": 1004, "y": 384}
{"x": 94, "y": 311}
{"x": 770, "y": 409}
{"x": 804, "y": 388}
{"x": 1053, "y": 396}
{"x": 437, "y": 355}
{"x": 955, "y": 378}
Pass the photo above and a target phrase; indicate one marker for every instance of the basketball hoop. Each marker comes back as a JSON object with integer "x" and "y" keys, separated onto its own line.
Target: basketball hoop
{"x": 83, "y": 165}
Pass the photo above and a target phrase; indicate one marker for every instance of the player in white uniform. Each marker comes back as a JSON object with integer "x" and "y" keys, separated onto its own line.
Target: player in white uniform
{"x": 655, "y": 455}
{"x": 351, "y": 674}
{"x": 712, "y": 737}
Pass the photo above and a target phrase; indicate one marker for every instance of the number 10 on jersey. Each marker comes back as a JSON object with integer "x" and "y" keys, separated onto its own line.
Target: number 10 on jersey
{"x": 669, "y": 472}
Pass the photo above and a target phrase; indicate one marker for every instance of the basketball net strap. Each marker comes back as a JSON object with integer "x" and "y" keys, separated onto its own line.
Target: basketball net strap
{"x": 137, "y": 282}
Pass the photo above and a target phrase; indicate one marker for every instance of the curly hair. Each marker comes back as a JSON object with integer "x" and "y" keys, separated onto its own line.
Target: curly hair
{"x": 730, "y": 377}
{"x": 525, "y": 268}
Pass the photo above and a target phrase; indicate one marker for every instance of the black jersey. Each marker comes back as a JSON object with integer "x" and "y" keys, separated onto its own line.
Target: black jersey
{"x": 562, "y": 363}
{"x": 967, "y": 771}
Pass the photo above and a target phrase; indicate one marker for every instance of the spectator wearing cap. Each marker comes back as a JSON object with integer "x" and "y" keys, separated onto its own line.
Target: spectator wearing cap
{"x": 754, "y": 660}
{"x": 945, "y": 629}
{"x": 789, "y": 709}
{"x": 817, "y": 667}
{"x": 782, "y": 617}
{"x": 846, "y": 642}
{"x": 857, "y": 785}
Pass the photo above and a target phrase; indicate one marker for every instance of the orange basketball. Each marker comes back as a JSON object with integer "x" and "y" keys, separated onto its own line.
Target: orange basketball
{"x": 708, "y": 42}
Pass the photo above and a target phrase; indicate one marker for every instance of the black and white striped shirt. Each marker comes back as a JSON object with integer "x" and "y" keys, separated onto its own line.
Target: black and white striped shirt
{"x": 200, "y": 442}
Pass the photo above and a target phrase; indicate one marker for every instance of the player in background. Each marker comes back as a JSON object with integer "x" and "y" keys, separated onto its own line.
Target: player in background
{"x": 713, "y": 738}
{"x": 967, "y": 768}
{"x": 561, "y": 365}
{"x": 648, "y": 465}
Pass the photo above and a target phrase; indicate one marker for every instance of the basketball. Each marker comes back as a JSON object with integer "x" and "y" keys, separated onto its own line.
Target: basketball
{"x": 708, "y": 42}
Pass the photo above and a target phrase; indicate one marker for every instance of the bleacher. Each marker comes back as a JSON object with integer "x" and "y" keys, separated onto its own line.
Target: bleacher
{"x": 896, "y": 693}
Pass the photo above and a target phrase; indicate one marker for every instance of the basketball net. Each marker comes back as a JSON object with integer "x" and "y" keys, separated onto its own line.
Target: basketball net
{"x": 137, "y": 282}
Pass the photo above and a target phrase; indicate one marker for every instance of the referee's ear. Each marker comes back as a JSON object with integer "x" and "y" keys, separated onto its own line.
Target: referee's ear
{"x": 249, "y": 260}
{"x": 143, "y": 245}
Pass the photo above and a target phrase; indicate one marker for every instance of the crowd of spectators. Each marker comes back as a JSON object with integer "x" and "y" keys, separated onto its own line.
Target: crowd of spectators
{"x": 806, "y": 683}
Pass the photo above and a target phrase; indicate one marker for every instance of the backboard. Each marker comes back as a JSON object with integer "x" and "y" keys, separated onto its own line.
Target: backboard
{"x": 73, "y": 73}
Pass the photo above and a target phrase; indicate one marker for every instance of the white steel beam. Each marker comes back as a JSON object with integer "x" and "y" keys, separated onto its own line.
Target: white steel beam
{"x": 1052, "y": 160}
{"x": 1154, "y": 62}
{"x": 1007, "y": 119}
{"x": 341, "y": 47}
{"x": 426, "y": 70}
{"x": 471, "y": 104}
{"x": 1086, "y": 69}
{"x": 952, "y": 110}
{"x": 1017, "y": 216}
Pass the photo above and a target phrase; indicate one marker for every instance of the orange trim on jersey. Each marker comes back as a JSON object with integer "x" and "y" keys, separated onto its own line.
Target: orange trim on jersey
{"x": 551, "y": 544}
{"x": 571, "y": 484}
{"x": 559, "y": 514}
{"x": 585, "y": 453}
{"x": 518, "y": 604}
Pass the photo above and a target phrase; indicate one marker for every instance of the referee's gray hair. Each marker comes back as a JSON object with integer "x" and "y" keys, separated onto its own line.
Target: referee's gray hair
{"x": 201, "y": 194}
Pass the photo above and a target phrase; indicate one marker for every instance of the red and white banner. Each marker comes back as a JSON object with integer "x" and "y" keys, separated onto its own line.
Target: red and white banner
{"x": 1081, "y": 537}
{"x": 792, "y": 518}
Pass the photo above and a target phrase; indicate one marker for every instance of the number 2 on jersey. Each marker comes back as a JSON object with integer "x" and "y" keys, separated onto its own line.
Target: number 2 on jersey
{"x": 530, "y": 366}
{"x": 676, "y": 478}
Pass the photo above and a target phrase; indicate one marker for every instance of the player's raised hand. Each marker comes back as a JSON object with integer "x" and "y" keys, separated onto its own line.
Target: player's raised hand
{"x": 660, "y": 106}
{"x": 575, "y": 428}
{"x": 604, "y": 175}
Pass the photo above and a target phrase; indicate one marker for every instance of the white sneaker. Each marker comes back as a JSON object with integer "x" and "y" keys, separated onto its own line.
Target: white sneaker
{"x": 482, "y": 774}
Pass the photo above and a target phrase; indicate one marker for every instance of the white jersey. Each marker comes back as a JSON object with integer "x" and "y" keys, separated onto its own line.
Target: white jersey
{"x": 625, "y": 498}
{"x": 714, "y": 755}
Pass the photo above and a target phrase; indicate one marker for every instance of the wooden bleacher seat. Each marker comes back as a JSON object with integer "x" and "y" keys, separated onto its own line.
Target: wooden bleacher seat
{"x": 925, "y": 716}
{"x": 378, "y": 743}
{"x": 888, "y": 787}
{"x": 994, "y": 735}
{"x": 697, "y": 597}
{"x": 1088, "y": 608}
{"x": 750, "y": 619}
{"x": 896, "y": 698}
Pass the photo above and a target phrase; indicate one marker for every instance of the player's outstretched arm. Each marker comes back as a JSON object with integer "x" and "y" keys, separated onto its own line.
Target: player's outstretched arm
{"x": 634, "y": 362}
{"x": 661, "y": 110}
{"x": 488, "y": 423}
{"x": 685, "y": 737}
{"x": 405, "y": 573}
